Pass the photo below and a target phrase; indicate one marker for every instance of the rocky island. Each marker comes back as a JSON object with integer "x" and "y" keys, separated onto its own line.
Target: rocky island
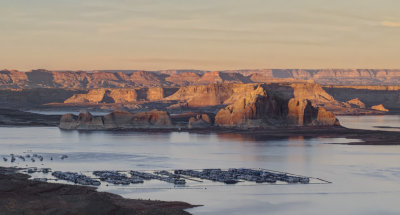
{"x": 246, "y": 106}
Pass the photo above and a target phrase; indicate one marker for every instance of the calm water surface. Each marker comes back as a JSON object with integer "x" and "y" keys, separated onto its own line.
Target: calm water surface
{"x": 381, "y": 122}
{"x": 366, "y": 179}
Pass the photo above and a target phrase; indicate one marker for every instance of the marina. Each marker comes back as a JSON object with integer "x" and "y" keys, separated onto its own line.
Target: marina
{"x": 179, "y": 178}
{"x": 122, "y": 152}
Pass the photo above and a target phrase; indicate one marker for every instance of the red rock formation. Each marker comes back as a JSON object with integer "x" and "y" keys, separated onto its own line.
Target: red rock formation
{"x": 122, "y": 95}
{"x": 388, "y": 96}
{"x": 68, "y": 121}
{"x": 155, "y": 93}
{"x": 84, "y": 121}
{"x": 153, "y": 118}
{"x": 300, "y": 112}
{"x": 183, "y": 79}
{"x": 200, "y": 121}
{"x": 325, "y": 118}
{"x": 379, "y": 108}
{"x": 260, "y": 109}
{"x": 144, "y": 78}
{"x": 211, "y": 95}
{"x": 119, "y": 79}
{"x": 356, "y": 103}
{"x": 93, "y": 96}
{"x": 116, "y": 120}
{"x": 199, "y": 96}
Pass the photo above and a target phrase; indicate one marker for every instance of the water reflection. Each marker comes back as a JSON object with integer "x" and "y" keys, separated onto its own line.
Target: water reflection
{"x": 380, "y": 122}
{"x": 363, "y": 176}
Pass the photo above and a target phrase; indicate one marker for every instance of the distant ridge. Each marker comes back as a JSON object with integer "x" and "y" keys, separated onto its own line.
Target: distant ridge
{"x": 138, "y": 78}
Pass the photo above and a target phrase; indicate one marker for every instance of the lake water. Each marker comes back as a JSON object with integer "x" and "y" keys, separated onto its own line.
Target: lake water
{"x": 366, "y": 179}
{"x": 379, "y": 122}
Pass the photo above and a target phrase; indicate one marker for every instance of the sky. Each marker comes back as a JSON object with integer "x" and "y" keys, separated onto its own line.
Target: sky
{"x": 199, "y": 34}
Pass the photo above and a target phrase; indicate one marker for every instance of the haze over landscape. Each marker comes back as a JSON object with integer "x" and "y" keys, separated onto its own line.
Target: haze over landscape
{"x": 207, "y": 35}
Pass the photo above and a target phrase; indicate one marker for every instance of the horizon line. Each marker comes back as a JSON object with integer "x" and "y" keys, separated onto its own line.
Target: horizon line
{"x": 203, "y": 70}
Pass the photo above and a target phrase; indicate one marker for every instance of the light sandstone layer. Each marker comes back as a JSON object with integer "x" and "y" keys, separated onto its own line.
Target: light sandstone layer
{"x": 263, "y": 109}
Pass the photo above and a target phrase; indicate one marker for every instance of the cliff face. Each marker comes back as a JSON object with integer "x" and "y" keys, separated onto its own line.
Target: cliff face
{"x": 128, "y": 79}
{"x": 209, "y": 95}
{"x": 356, "y": 102}
{"x": 260, "y": 109}
{"x": 84, "y": 121}
{"x": 123, "y": 95}
{"x": 200, "y": 121}
{"x": 116, "y": 120}
{"x": 31, "y": 98}
{"x": 388, "y": 96}
{"x": 246, "y": 106}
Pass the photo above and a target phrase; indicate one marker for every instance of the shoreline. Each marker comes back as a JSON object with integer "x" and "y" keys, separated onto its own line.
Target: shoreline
{"x": 15, "y": 118}
{"x": 19, "y": 195}
{"x": 367, "y": 137}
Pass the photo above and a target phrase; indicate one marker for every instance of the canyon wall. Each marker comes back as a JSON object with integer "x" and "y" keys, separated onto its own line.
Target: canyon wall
{"x": 116, "y": 120}
{"x": 121, "y": 95}
{"x": 176, "y": 78}
{"x": 260, "y": 108}
{"x": 388, "y": 96}
{"x": 28, "y": 98}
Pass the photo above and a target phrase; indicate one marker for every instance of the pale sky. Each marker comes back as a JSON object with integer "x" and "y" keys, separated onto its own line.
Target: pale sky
{"x": 199, "y": 34}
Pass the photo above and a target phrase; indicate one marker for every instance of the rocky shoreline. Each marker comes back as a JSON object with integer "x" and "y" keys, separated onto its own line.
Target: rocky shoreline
{"x": 19, "y": 195}
{"x": 368, "y": 137}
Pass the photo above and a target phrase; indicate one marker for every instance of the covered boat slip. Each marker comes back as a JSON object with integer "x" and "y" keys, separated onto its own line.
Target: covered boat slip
{"x": 180, "y": 178}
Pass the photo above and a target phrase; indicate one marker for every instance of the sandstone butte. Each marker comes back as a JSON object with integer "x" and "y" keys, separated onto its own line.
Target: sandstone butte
{"x": 116, "y": 120}
{"x": 260, "y": 109}
{"x": 243, "y": 106}
{"x": 203, "y": 95}
{"x": 122, "y": 95}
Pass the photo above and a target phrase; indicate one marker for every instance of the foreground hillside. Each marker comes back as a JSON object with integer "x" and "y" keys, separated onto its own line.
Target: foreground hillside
{"x": 18, "y": 195}
{"x": 176, "y": 78}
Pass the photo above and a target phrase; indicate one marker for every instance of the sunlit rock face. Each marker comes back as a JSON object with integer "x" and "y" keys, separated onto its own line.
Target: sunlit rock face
{"x": 379, "y": 108}
{"x": 120, "y": 96}
{"x": 200, "y": 121}
{"x": 356, "y": 102}
{"x": 260, "y": 109}
{"x": 129, "y": 79}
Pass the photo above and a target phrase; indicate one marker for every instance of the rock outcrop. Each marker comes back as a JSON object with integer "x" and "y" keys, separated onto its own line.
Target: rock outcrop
{"x": 356, "y": 103}
{"x": 152, "y": 119}
{"x": 84, "y": 121}
{"x": 260, "y": 109}
{"x": 200, "y": 96}
{"x": 128, "y": 79}
{"x": 122, "y": 95}
{"x": 388, "y": 96}
{"x": 116, "y": 120}
{"x": 379, "y": 108}
{"x": 200, "y": 121}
